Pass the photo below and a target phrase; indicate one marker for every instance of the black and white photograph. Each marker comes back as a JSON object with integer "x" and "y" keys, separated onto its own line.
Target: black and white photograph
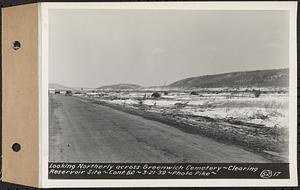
{"x": 169, "y": 86}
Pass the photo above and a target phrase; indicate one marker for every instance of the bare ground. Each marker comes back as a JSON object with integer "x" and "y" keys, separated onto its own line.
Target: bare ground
{"x": 271, "y": 143}
{"x": 83, "y": 131}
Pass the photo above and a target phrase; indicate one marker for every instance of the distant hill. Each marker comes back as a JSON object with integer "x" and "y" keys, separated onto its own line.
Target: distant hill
{"x": 259, "y": 78}
{"x": 59, "y": 87}
{"x": 120, "y": 86}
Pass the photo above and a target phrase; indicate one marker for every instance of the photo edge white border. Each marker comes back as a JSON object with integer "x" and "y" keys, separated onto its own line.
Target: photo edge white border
{"x": 43, "y": 49}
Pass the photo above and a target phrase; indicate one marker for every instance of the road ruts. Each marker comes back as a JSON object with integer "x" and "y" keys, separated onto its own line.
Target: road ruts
{"x": 81, "y": 131}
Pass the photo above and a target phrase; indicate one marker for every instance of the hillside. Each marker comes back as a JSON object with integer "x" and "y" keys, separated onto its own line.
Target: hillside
{"x": 120, "y": 86}
{"x": 258, "y": 78}
{"x": 58, "y": 86}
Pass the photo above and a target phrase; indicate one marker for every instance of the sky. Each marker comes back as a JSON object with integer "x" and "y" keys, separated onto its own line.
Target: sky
{"x": 91, "y": 48}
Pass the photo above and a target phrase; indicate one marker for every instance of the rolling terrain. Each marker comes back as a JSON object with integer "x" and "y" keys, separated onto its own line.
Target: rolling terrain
{"x": 59, "y": 86}
{"x": 183, "y": 123}
{"x": 82, "y": 131}
{"x": 259, "y": 78}
{"x": 120, "y": 86}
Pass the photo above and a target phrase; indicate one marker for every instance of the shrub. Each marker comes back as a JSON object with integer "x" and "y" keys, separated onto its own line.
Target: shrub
{"x": 145, "y": 97}
{"x": 155, "y": 95}
{"x": 194, "y": 93}
{"x": 256, "y": 93}
{"x": 141, "y": 102}
{"x": 180, "y": 105}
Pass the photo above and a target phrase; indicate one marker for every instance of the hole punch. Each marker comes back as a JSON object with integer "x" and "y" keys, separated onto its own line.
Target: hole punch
{"x": 16, "y": 147}
{"x": 16, "y": 45}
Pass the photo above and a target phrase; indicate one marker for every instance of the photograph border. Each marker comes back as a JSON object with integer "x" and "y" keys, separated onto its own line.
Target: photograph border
{"x": 43, "y": 95}
{"x": 6, "y": 185}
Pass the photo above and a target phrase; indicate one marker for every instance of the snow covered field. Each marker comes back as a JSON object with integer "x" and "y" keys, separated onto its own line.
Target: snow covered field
{"x": 256, "y": 121}
{"x": 270, "y": 109}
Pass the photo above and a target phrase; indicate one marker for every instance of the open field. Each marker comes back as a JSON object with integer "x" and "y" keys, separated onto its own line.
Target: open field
{"x": 81, "y": 130}
{"x": 232, "y": 116}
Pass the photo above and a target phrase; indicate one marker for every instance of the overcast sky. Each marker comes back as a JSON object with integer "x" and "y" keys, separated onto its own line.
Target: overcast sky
{"x": 91, "y": 48}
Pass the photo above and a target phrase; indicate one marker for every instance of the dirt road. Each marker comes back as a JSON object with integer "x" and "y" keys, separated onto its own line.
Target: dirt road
{"x": 81, "y": 131}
